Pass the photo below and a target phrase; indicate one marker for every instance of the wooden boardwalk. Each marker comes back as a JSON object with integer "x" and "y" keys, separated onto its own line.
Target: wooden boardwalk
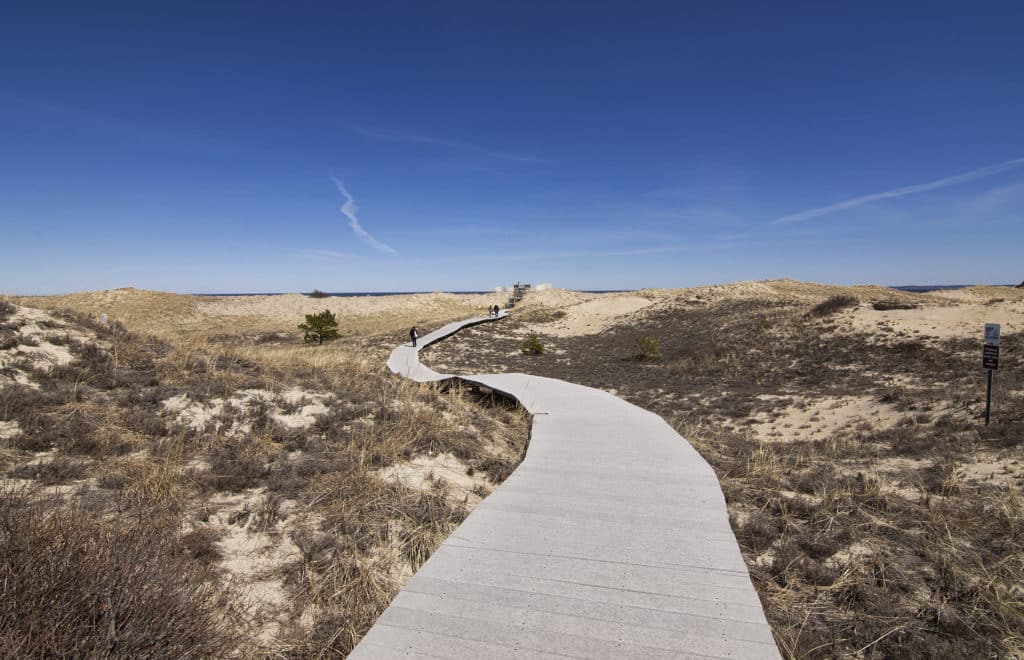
{"x": 610, "y": 540}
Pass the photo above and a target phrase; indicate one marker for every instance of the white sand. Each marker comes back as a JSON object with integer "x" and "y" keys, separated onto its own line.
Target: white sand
{"x": 962, "y": 316}
{"x": 595, "y": 315}
{"x": 199, "y": 416}
{"x": 422, "y": 471}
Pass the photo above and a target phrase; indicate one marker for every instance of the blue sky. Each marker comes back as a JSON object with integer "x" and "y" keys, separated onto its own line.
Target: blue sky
{"x": 462, "y": 145}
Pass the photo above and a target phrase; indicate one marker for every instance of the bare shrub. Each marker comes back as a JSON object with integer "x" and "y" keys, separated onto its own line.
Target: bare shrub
{"x": 145, "y": 421}
{"x": 498, "y": 468}
{"x": 886, "y": 305}
{"x": 236, "y": 465}
{"x": 201, "y": 544}
{"x": 72, "y": 584}
{"x": 268, "y": 512}
{"x": 57, "y": 470}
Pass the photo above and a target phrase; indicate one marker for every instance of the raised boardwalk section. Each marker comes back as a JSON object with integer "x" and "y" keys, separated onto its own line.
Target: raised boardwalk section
{"x": 610, "y": 540}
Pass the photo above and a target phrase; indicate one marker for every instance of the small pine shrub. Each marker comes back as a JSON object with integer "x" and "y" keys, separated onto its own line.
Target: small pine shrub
{"x": 320, "y": 327}
{"x": 533, "y": 346}
{"x": 317, "y": 293}
{"x": 647, "y": 348}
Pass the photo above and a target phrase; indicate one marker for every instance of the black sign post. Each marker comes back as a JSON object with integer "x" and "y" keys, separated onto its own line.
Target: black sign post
{"x": 990, "y": 362}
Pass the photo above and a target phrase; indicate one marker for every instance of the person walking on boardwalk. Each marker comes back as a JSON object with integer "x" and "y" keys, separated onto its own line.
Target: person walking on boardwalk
{"x": 413, "y": 335}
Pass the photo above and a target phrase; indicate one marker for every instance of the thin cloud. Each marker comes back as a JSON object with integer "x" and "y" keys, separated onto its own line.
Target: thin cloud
{"x": 412, "y": 138}
{"x": 902, "y": 192}
{"x": 349, "y": 209}
{"x": 319, "y": 255}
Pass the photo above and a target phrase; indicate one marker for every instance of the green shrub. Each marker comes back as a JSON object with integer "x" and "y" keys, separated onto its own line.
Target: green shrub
{"x": 833, "y": 304}
{"x": 647, "y": 348}
{"x": 533, "y": 345}
{"x": 320, "y": 327}
{"x": 317, "y": 293}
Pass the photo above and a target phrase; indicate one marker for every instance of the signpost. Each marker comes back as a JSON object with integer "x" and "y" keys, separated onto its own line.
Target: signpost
{"x": 990, "y": 362}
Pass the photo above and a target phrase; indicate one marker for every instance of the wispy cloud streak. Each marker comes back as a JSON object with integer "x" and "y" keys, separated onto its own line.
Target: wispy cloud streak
{"x": 349, "y": 210}
{"x": 412, "y": 138}
{"x": 902, "y": 192}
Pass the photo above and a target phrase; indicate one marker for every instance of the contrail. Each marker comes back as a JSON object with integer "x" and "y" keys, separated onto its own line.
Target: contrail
{"x": 349, "y": 209}
{"x": 901, "y": 192}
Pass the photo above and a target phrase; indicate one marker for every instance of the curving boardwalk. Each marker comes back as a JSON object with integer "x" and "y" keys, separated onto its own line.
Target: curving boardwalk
{"x": 610, "y": 540}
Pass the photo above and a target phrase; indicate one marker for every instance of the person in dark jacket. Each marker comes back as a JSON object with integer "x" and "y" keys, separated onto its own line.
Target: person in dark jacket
{"x": 413, "y": 335}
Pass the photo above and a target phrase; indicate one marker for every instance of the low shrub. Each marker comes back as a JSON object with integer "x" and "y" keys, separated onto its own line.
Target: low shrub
{"x": 533, "y": 346}
{"x": 647, "y": 348}
{"x": 886, "y": 305}
{"x": 320, "y": 327}
{"x": 55, "y": 471}
{"x": 833, "y": 304}
{"x": 75, "y": 585}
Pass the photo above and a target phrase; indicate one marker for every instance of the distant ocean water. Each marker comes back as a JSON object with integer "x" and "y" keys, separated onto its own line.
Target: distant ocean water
{"x": 912, "y": 288}
{"x": 925, "y": 288}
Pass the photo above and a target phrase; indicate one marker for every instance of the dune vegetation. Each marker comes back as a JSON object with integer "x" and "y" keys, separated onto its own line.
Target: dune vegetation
{"x": 878, "y": 515}
{"x": 256, "y": 494}
{"x": 187, "y": 480}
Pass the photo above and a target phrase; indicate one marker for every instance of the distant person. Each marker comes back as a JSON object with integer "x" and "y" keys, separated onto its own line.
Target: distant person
{"x": 414, "y": 335}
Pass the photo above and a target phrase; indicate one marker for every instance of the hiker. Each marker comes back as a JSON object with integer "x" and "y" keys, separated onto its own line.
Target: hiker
{"x": 413, "y": 334}
{"x": 497, "y": 311}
